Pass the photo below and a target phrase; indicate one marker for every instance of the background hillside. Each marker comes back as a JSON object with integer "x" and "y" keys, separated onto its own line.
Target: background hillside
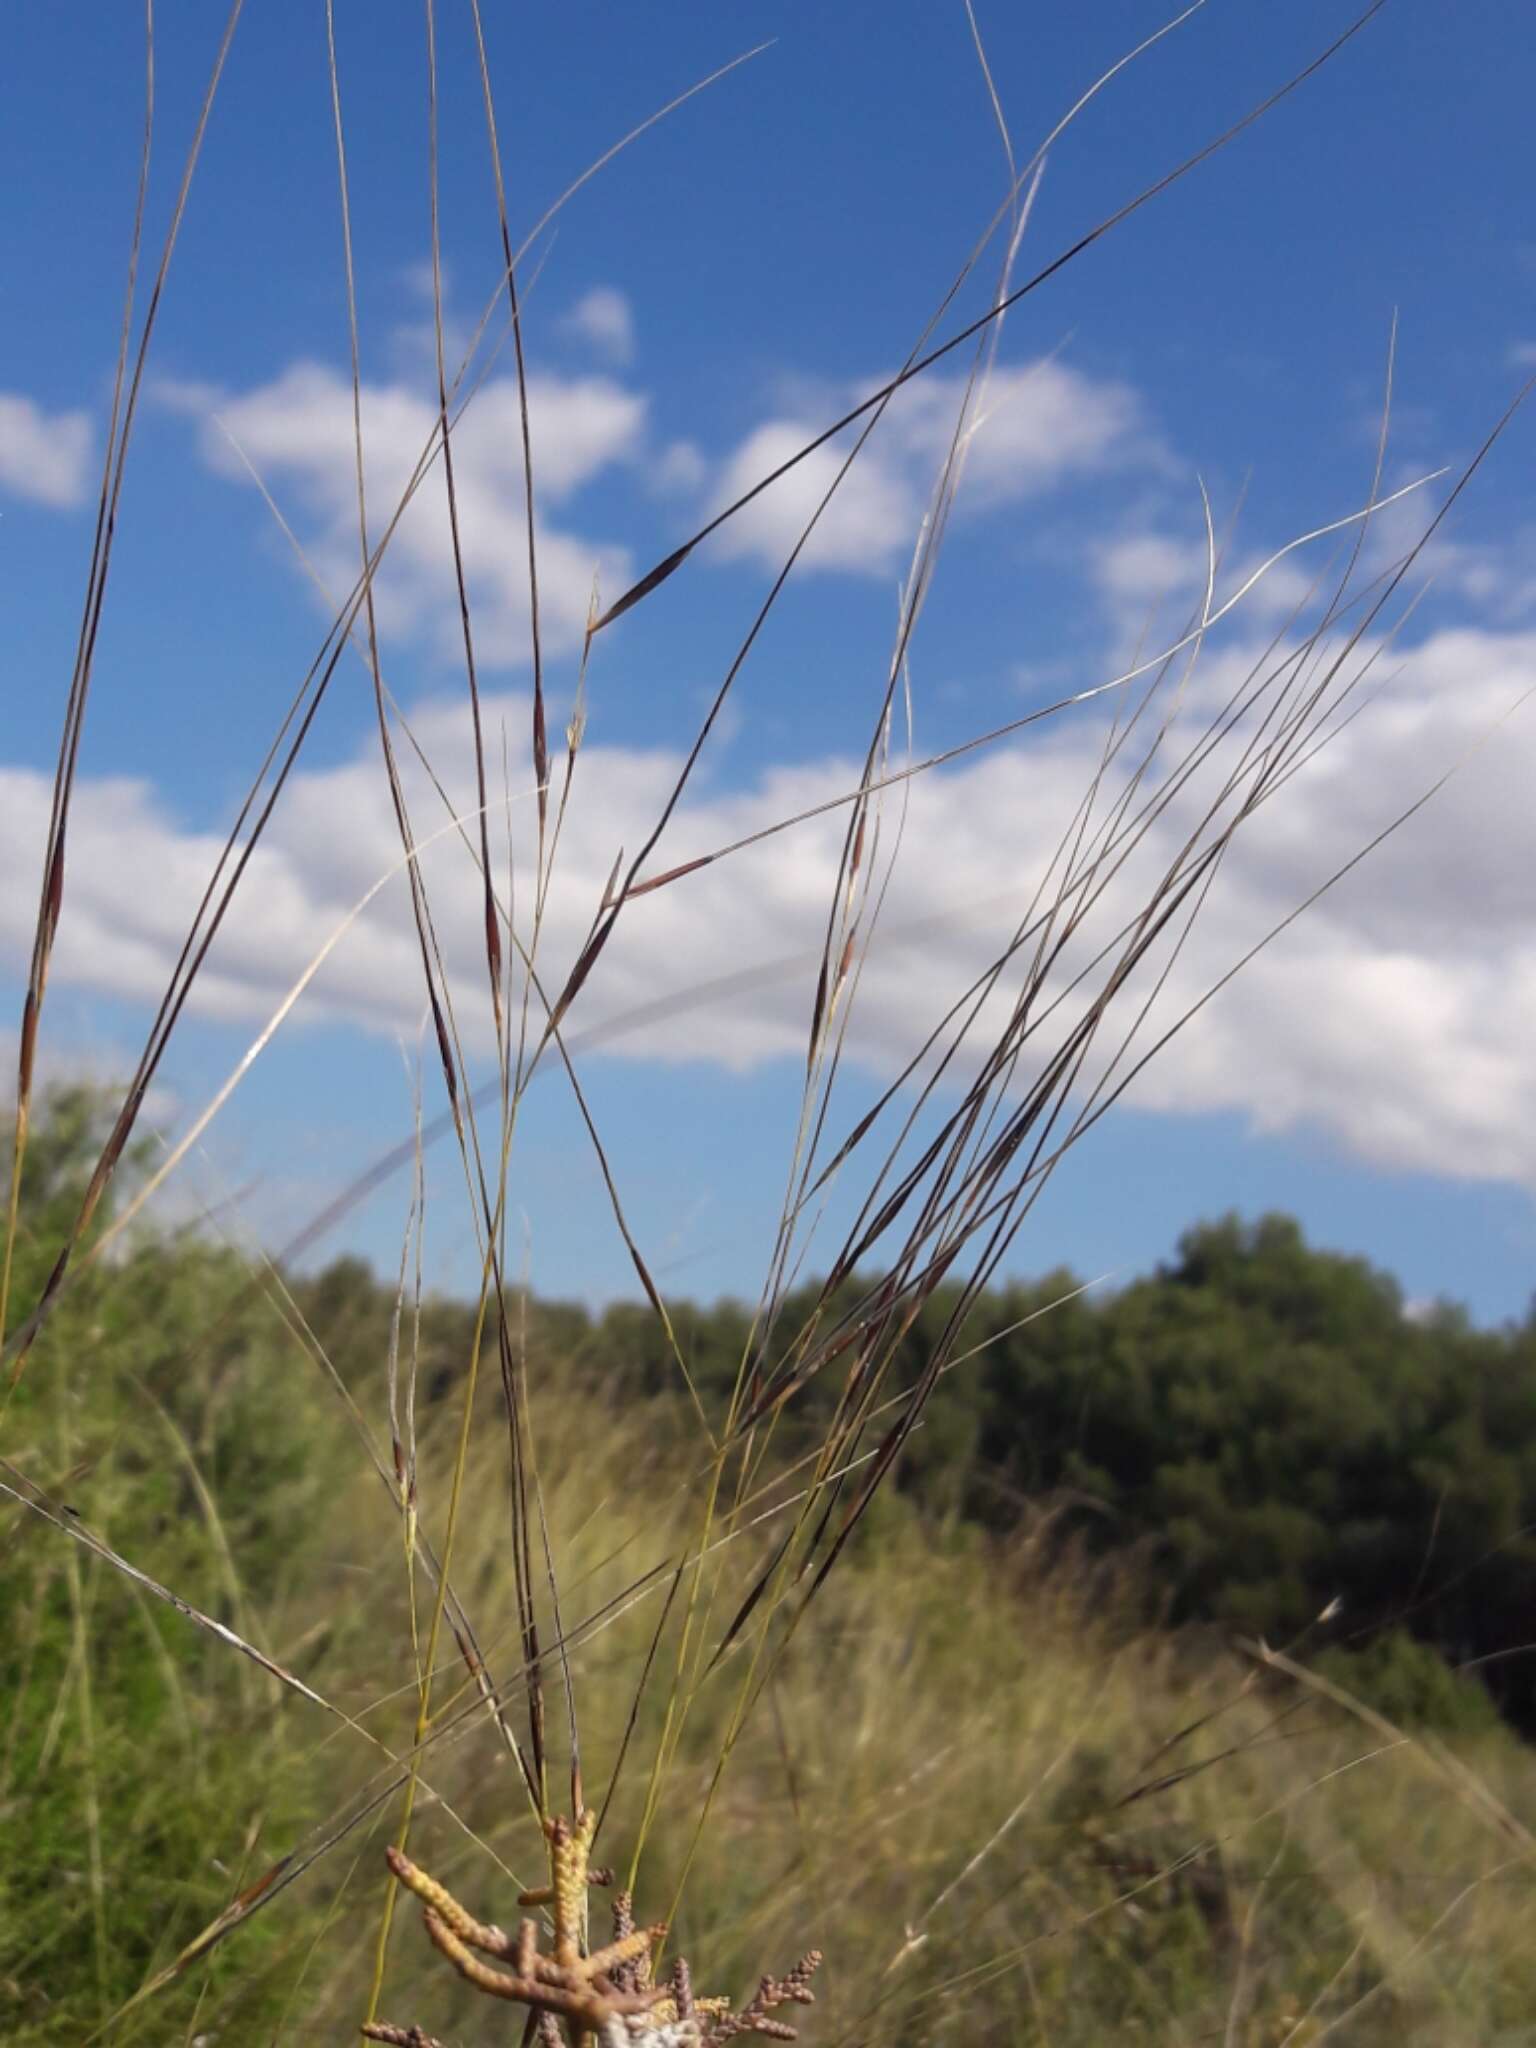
{"x": 1015, "y": 1800}
{"x": 1263, "y": 1425}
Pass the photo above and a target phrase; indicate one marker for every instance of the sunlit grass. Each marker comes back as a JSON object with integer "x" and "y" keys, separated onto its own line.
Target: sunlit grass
{"x": 1002, "y": 1806}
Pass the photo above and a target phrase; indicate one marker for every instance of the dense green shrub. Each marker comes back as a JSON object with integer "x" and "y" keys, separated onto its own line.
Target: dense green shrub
{"x": 1411, "y": 1684}
{"x": 1264, "y": 1421}
{"x": 166, "y": 1410}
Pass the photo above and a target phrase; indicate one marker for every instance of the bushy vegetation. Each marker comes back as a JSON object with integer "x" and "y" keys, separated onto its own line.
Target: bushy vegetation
{"x": 1262, "y": 1423}
{"x": 1009, "y": 1808}
{"x": 140, "y": 1761}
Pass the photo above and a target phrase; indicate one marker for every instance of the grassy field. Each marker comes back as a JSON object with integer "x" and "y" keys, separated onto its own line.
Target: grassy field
{"x": 1005, "y": 1810}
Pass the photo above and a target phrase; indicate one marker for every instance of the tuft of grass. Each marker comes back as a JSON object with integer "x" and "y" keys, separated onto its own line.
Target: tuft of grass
{"x": 266, "y": 1618}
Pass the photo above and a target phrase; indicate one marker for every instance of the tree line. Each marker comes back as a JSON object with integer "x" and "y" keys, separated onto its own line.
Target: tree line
{"x": 1265, "y": 1424}
{"x": 1262, "y": 1427}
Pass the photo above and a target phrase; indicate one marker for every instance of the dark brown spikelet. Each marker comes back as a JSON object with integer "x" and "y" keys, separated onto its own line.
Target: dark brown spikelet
{"x": 623, "y": 1915}
{"x": 626, "y": 1976}
{"x": 682, "y": 1988}
{"x": 795, "y": 1989}
{"x": 772, "y": 1992}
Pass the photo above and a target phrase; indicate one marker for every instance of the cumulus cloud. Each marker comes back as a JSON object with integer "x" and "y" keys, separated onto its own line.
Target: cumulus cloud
{"x": 1036, "y": 428}
{"x": 868, "y": 526}
{"x": 297, "y": 433}
{"x": 1491, "y": 577}
{"x": 1396, "y": 1015}
{"x": 43, "y": 456}
{"x": 602, "y": 318}
{"x": 1146, "y": 575}
{"x": 679, "y": 470}
{"x": 1143, "y": 571}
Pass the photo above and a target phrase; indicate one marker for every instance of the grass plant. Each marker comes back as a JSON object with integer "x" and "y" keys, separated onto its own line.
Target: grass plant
{"x": 280, "y": 1639}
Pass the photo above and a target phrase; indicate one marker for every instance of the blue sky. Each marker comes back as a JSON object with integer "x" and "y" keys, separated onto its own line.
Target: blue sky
{"x": 730, "y": 283}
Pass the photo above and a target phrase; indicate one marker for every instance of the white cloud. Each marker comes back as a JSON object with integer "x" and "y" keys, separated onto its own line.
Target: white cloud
{"x": 1522, "y": 355}
{"x": 602, "y": 318}
{"x": 868, "y": 526}
{"x": 297, "y": 432}
{"x": 1494, "y": 576}
{"x": 1037, "y": 428}
{"x": 1034, "y": 428}
{"x": 1396, "y": 1016}
{"x": 1146, "y": 575}
{"x": 1140, "y": 571}
{"x": 43, "y": 456}
{"x": 680, "y": 468}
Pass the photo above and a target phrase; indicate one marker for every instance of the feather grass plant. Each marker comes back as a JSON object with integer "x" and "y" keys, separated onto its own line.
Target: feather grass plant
{"x": 798, "y": 1742}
